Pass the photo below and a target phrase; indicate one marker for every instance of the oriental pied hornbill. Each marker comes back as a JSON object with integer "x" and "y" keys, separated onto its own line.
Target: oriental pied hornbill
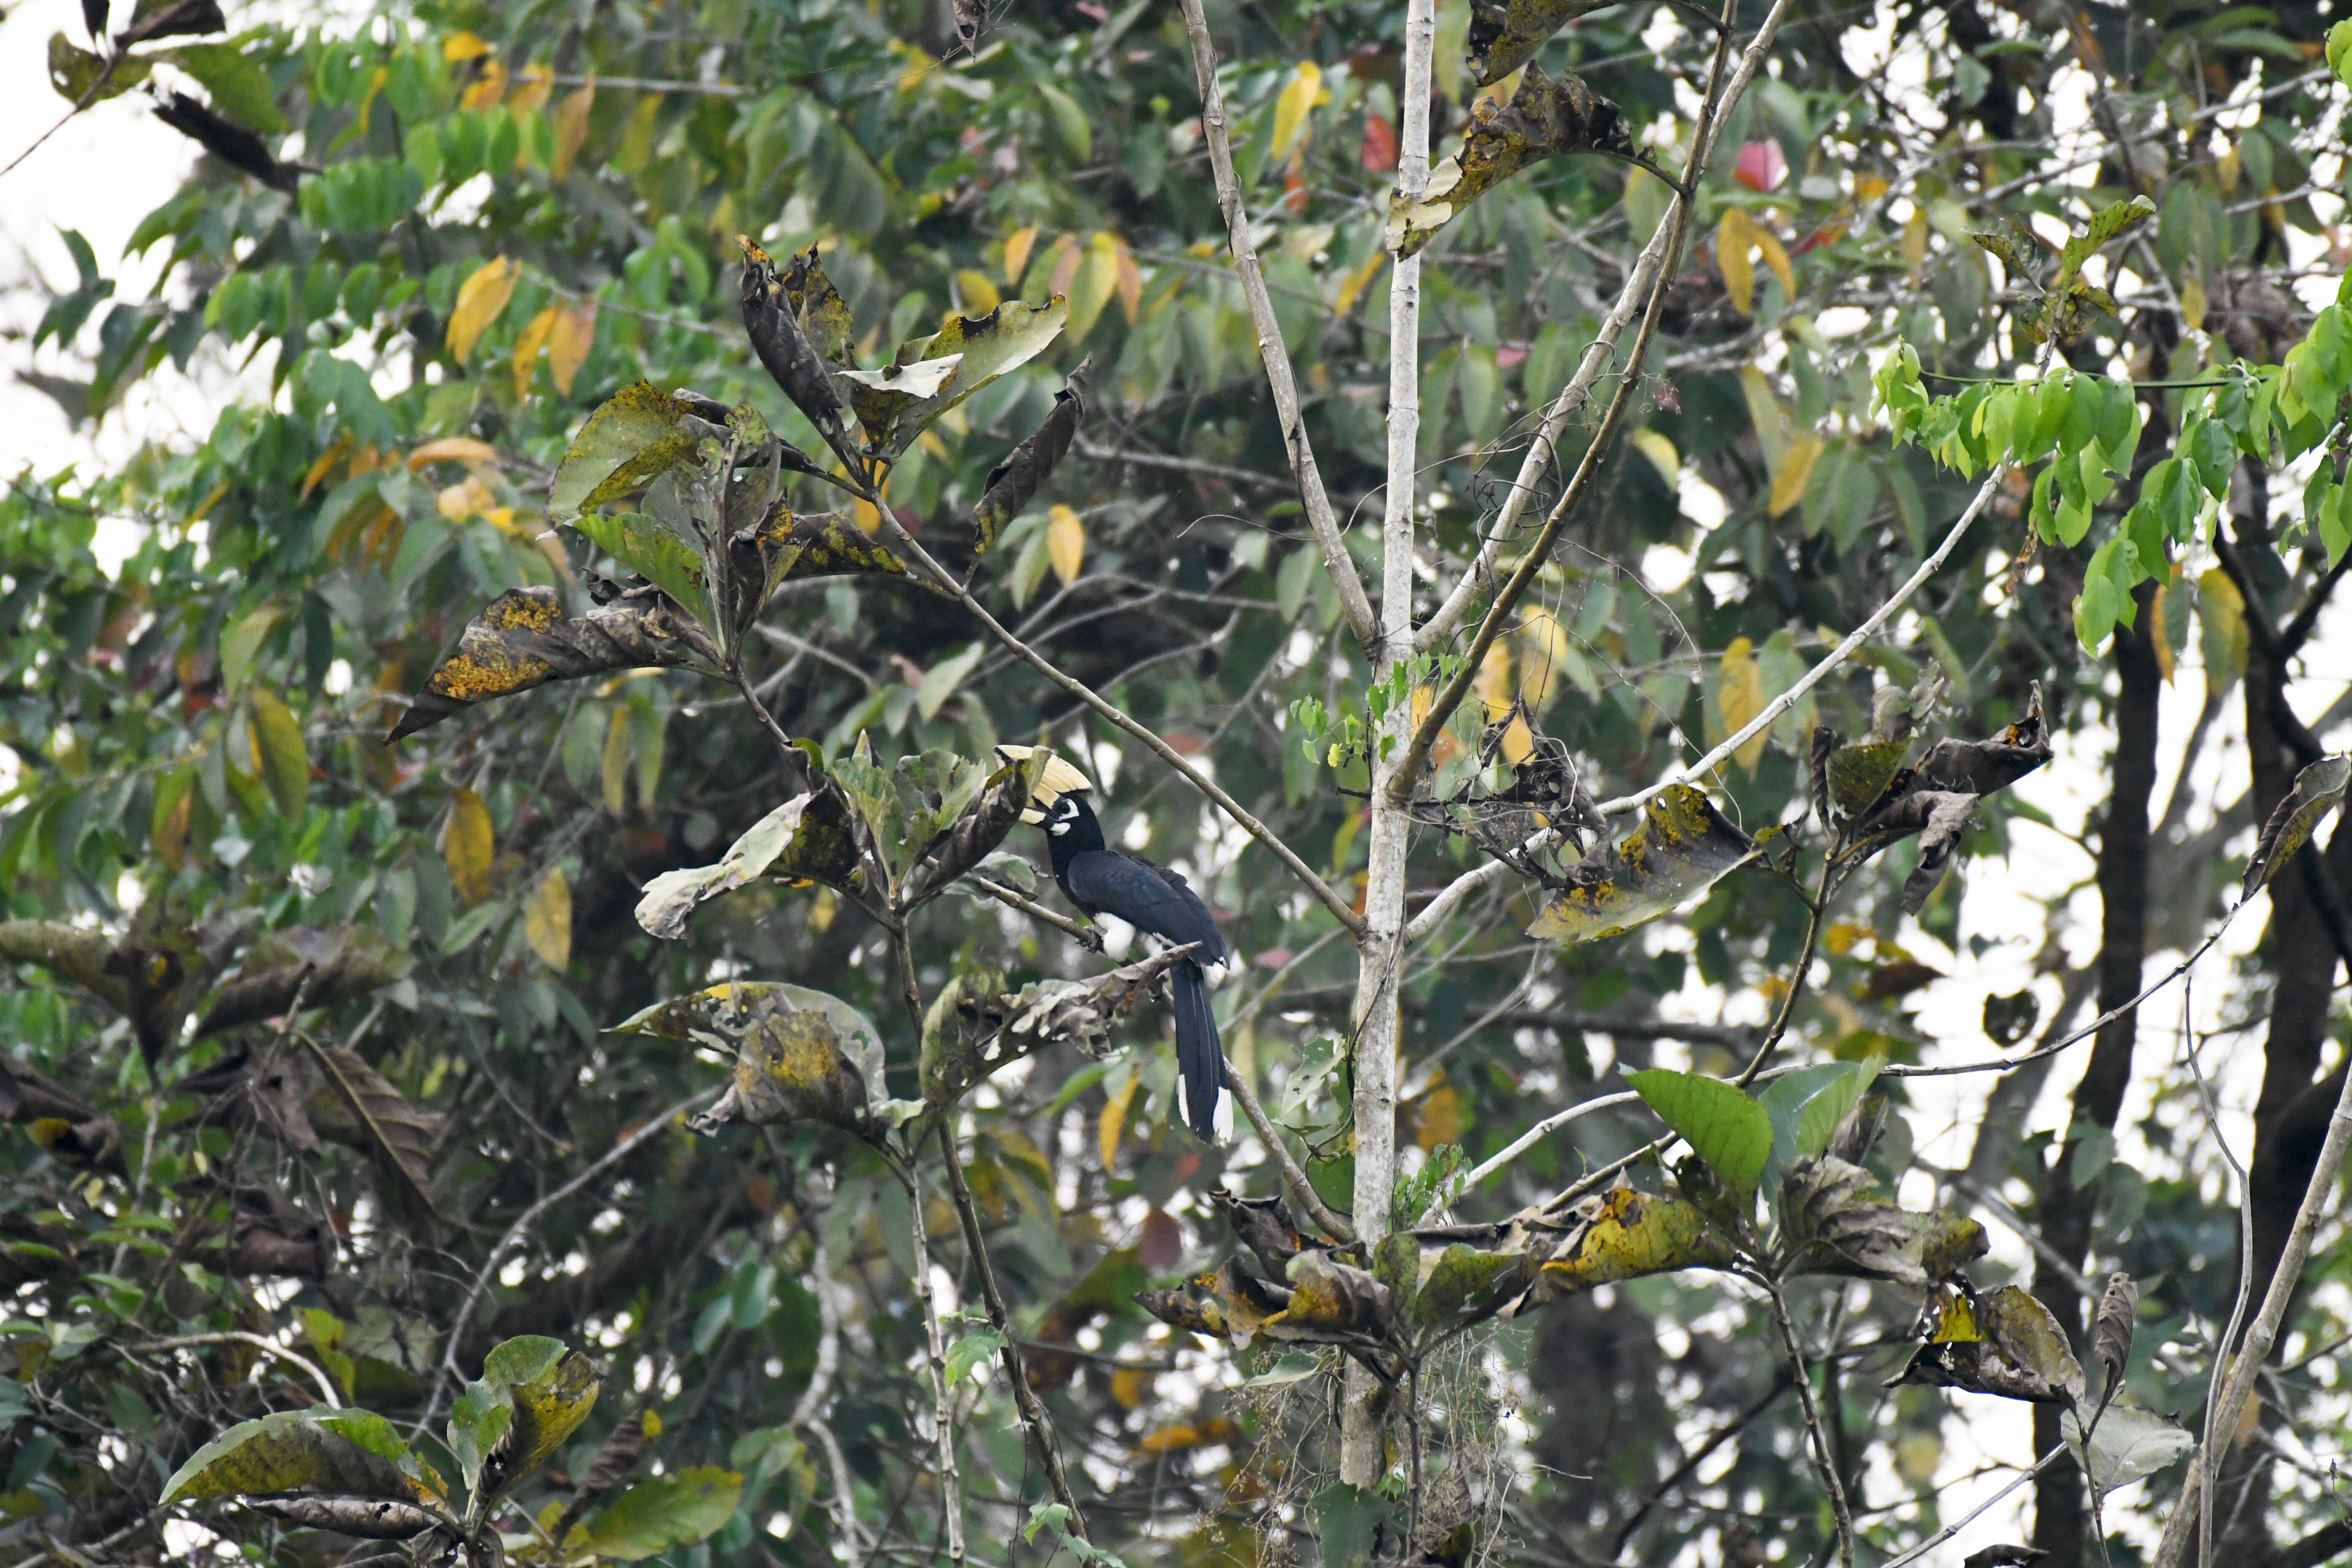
{"x": 1158, "y": 902}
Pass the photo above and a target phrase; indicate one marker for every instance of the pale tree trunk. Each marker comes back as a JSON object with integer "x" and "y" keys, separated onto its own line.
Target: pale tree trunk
{"x": 1362, "y": 1456}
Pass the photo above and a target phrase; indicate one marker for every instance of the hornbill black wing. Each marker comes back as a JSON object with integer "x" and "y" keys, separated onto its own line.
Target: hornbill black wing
{"x": 1159, "y": 902}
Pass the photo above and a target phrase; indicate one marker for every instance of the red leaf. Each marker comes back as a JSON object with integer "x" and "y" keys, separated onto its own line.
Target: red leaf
{"x": 1380, "y": 144}
{"x": 1761, "y": 166}
{"x": 1162, "y": 1244}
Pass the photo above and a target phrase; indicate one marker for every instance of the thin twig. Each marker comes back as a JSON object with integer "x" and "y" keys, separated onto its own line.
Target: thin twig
{"x": 942, "y": 1409}
{"x": 1084, "y": 936}
{"x": 1949, "y": 1531}
{"x": 1300, "y": 1188}
{"x": 238, "y": 1336}
{"x": 1825, "y": 1461}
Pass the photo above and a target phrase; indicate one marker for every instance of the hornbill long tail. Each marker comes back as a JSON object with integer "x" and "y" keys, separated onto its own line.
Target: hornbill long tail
{"x": 1157, "y": 901}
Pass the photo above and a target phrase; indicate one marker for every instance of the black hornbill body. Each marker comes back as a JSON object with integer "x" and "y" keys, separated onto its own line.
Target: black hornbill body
{"x": 1157, "y": 901}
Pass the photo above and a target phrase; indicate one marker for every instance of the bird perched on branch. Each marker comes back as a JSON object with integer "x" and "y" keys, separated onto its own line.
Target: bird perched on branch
{"x": 1158, "y": 902}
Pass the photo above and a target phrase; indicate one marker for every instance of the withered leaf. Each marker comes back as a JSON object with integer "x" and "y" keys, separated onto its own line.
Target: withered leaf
{"x": 793, "y": 1068}
{"x": 1546, "y": 117}
{"x": 358, "y": 1107}
{"x": 2317, "y": 790}
{"x": 1834, "y": 1222}
{"x": 522, "y": 639}
{"x": 1859, "y": 775}
{"x": 783, "y": 348}
{"x": 984, "y": 348}
{"x": 2118, "y": 1316}
{"x": 1331, "y": 1301}
{"x": 1264, "y": 1226}
{"x": 1825, "y": 743}
{"x": 817, "y": 306}
{"x": 1015, "y": 482}
{"x": 992, "y": 1031}
{"x": 372, "y": 1518}
{"x": 784, "y": 548}
{"x": 1936, "y": 798}
{"x": 1683, "y": 846}
{"x": 1180, "y": 1309}
{"x": 1623, "y": 1234}
{"x": 2008, "y": 1019}
{"x": 983, "y": 827}
{"x": 343, "y": 963}
{"x": 2004, "y": 1556}
{"x": 230, "y": 143}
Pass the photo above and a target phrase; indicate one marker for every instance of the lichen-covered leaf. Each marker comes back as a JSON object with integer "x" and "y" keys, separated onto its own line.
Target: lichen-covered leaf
{"x": 1331, "y": 1301}
{"x": 635, "y": 436}
{"x": 522, "y": 639}
{"x": 2318, "y": 789}
{"x": 1013, "y": 483}
{"x": 1859, "y": 773}
{"x": 725, "y": 1010}
{"x": 2002, "y": 1342}
{"x": 792, "y": 1067}
{"x": 552, "y": 1388}
{"x": 1624, "y": 1234}
{"x": 640, "y": 543}
{"x": 1507, "y": 34}
{"x": 825, "y": 544}
{"x": 1463, "y": 1278}
{"x": 1264, "y": 1226}
{"x": 342, "y": 1451}
{"x": 672, "y": 896}
{"x": 1723, "y": 1126}
{"x": 1546, "y": 117}
{"x": 1683, "y": 846}
{"x": 785, "y": 348}
{"x": 2106, "y": 224}
{"x": 983, "y": 1032}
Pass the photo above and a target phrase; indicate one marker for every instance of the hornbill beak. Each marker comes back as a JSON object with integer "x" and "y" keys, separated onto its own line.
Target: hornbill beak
{"x": 1060, "y": 778}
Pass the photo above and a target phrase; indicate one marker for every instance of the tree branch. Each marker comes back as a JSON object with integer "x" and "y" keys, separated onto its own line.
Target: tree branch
{"x": 1295, "y": 1178}
{"x": 1278, "y": 378}
{"x": 1208, "y": 787}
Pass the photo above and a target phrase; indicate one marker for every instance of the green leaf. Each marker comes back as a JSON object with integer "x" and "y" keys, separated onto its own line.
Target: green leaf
{"x": 970, "y": 1352}
{"x": 665, "y": 1511}
{"x": 285, "y": 763}
{"x": 1860, "y": 773}
{"x": 76, "y": 72}
{"x": 1003, "y": 340}
{"x": 242, "y": 644}
{"x": 477, "y": 1421}
{"x": 671, "y": 896}
{"x": 1726, "y": 1128}
{"x": 2130, "y": 1444}
{"x": 1818, "y": 1122}
{"x": 640, "y": 543}
{"x": 2104, "y": 225}
{"x": 1683, "y": 846}
{"x": 941, "y": 681}
{"x": 2317, "y": 790}
{"x": 351, "y": 1452}
{"x": 239, "y": 87}
{"x": 1351, "y": 1520}
{"x": 635, "y": 436}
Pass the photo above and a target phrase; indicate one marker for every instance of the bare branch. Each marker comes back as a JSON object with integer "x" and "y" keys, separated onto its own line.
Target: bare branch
{"x": 1295, "y": 1178}
{"x": 1278, "y": 377}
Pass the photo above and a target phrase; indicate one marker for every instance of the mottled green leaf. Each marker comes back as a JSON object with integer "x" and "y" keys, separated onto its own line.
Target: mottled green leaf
{"x": 1545, "y": 119}
{"x": 1723, "y": 1126}
{"x": 635, "y": 436}
{"x": 1682, "y": 848}
{"x": 660, "y": 1514}
{"x": 343, "y": 1451}
{"x": 2319, "y": 788}
{"x": 672, "y": 896}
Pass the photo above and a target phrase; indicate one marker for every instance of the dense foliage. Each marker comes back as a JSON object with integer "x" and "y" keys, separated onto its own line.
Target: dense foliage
{"x": 341, "y": 1069}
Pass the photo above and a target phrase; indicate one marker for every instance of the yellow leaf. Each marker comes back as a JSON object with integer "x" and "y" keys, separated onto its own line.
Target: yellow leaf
{"x": 1740, "y": 697}
{"x": 1440, "y": 1121}
{"x": 547, "y": 920}
{"x": 1091, "y": 287}
{"x": 615, "y": 769}
{"x": 2192, "y": 303}
{"x": 1114, "y": 1120}
{"x": 469, "y": 497}
{"x": 1353, "y": 289}
{"x": 1776, "y": 258}
{"x": 453, "y": 450}
{"x": 1546, "y": 651}
{"x": 1290, "y": 110}
{"x": 327, "y": 460}
{"x": 1869, "y": 187}
{"x": 537, "y": 84}
{"x": 572, "y": 126}
{"x": 285, "y": 760}
{"x": 480, "y": 297}
{"x": 1732, "y": 243}
{"x": 1660, "y": 452}
{"x": 485, "y": 89}
{"x": 462, "y": 46}
{"x": 1065, "y": 543}
{"x": 1016, "y": 254}
{"x": 1764, "y": 410}
{"x": 527, "y": 343}
{"x": 568, "y": 344}
{"x": 1796, "y": 468}
{"x": 1518, "y": 740}
{"x": 2221, "y": 625}
{"x": 469, "y": 846}
{"x": 1915, "y": 242}
{"x": 979, "y": 295}
{"x": 1494, "y": 682}
{"x": 1126, "y": 278}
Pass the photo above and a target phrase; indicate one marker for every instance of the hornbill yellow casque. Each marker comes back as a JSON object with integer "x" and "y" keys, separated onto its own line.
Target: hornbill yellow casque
{"x": 1157, "y": 901}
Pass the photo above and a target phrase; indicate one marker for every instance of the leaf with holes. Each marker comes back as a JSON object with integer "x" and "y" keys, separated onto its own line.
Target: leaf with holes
{"x": 1546, "y": 117}
{"x": 1683, "y": 848}
{"x": 671, "y": 896}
